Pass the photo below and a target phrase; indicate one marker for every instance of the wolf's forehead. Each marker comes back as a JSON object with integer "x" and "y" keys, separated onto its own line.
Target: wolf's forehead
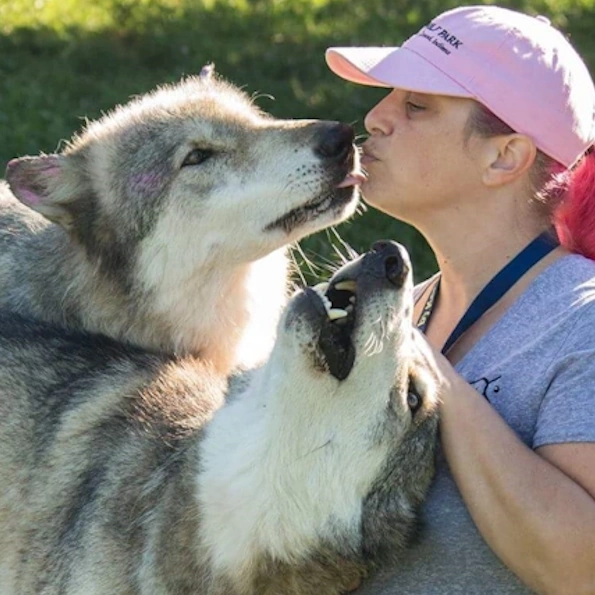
{"x": 231, "y": 108}
{"x": 212, "y": 101}
{"x": 191, "y": 106}
{"x": 191, "y": 129}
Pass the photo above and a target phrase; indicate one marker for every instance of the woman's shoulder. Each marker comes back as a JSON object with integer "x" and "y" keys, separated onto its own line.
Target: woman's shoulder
{"x": 558, "y": 302}
{"x": 577, "y": 266}
{"x": 568, "y": 285}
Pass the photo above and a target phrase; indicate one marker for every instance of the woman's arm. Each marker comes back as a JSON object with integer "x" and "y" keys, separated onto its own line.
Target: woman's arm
{"x": 536, "y": 510}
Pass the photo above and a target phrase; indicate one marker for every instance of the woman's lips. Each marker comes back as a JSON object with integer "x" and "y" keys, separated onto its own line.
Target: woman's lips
{"x": 367, "y": 156}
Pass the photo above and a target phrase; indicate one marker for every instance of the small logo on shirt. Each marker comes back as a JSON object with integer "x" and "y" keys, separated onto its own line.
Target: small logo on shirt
{"x": 486, "y": 387}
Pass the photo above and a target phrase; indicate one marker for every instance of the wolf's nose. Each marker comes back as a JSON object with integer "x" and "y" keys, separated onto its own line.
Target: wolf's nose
{"x": 387, "y": 261}
{"x": 335, "y": 142}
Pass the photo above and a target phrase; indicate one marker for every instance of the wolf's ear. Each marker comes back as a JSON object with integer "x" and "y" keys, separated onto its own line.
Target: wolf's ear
{"x": 207, "y": 71}
{"x": 36, "y": 181}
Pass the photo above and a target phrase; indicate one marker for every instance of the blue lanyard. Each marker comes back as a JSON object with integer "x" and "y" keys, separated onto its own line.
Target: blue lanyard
{"x": 540, "y": 247}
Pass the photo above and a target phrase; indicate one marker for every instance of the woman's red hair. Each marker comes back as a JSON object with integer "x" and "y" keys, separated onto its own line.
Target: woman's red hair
{"x": 574, "y": 217}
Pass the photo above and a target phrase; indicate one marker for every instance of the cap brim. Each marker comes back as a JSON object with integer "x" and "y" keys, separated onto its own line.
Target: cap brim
{"x": 391, "y": 67}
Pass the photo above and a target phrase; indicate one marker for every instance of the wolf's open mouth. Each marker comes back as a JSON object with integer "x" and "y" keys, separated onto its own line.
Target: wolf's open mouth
{"x": 339, "y": 300}
{"x": 339, "y": 305}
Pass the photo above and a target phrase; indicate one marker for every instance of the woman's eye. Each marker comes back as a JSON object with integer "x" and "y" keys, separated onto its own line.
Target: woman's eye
{"x": 415, "y": 107}
{"x": 413, "y": 401}
{"x": 197, "y": 156}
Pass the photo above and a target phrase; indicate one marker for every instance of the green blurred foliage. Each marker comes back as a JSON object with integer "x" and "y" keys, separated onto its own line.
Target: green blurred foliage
{"x": 62, "y": 61}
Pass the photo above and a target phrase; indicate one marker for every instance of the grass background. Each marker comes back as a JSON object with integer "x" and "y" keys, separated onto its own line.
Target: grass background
{"x": 65, "y": 60}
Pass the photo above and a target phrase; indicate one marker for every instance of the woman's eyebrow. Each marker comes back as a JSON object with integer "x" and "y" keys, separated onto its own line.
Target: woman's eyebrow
{"x": 421, "y": 96}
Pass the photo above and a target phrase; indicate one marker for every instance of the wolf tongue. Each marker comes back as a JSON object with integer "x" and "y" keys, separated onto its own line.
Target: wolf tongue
{"x": 352, "y": 179}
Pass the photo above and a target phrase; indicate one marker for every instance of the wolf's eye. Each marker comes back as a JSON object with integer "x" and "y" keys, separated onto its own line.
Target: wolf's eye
{"x": 413, "y": 401}
{"x": 197, "y": 156}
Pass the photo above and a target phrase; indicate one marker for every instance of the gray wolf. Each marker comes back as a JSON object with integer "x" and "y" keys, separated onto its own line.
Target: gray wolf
{"x": 164, "y": 224}
{"x": 129, "y": 472}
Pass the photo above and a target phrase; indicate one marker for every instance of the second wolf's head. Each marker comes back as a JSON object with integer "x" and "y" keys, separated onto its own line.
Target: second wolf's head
{"x": 170, "y": 214}
{"x": 316, "y": 475}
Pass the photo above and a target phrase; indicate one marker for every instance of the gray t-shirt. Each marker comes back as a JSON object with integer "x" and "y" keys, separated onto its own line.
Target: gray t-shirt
{"x": 536, "y": 366}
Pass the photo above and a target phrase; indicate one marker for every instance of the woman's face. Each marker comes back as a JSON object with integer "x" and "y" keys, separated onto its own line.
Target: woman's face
{"x": 418, "y": 156}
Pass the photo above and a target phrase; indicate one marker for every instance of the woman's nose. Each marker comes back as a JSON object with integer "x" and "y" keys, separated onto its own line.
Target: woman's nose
{"x": 376, "y": 120}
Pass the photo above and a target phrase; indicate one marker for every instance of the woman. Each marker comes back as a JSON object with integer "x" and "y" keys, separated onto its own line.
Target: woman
{"x": 483, "y": 143}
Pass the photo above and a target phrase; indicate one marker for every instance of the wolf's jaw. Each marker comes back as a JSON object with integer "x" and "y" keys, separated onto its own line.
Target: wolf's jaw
{"x": 308, "y": 213}
{"x": 339, "y": 196}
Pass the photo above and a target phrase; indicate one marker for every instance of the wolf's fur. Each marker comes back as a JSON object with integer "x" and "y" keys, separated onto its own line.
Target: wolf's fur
{"x": 122, "y": 472}
{"x": 119, "y": 237}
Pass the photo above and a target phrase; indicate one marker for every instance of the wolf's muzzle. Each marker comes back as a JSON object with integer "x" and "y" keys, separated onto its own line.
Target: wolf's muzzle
{"x": 333, "y": 309}
{"x": 386, "y": 261}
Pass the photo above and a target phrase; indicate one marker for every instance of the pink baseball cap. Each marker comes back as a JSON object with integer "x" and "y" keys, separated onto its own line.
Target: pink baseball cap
{"x": 520, "y": 67}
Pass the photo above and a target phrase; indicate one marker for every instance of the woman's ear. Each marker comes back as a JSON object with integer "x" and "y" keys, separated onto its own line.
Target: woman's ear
{"x": 509, "y": 157}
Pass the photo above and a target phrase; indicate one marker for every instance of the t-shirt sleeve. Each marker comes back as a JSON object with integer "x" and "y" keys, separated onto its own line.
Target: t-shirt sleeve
{"x": 567, "y": 412}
